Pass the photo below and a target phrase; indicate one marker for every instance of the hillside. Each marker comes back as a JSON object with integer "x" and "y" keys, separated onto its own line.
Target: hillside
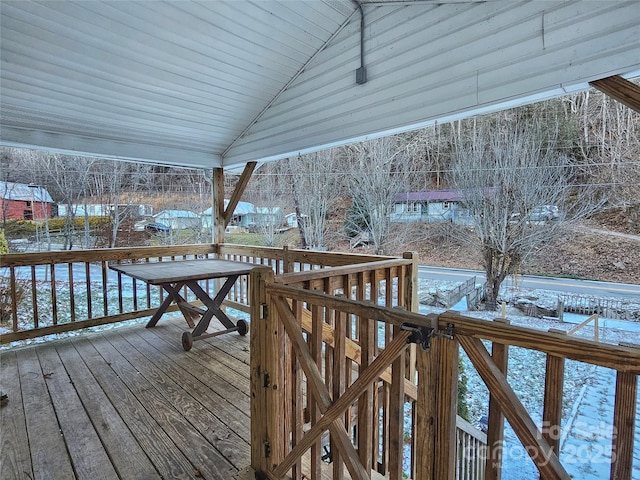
{"x": 585, "y": 255}
{"x": 606, "y": 247}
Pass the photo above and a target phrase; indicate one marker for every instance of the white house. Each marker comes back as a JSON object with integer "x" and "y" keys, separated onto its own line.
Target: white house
{"x": 430, "y": 207}
{"x": 178, "y": 219}
{"x": 247, "y": 215}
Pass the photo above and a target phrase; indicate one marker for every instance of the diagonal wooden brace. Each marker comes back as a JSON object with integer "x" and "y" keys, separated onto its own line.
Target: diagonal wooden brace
{"x": 332, "y": 411}
{"x": 542, "y": 454}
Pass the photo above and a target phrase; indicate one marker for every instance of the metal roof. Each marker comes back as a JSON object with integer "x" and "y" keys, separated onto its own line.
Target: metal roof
{"x": 221, "y": 83}
{"x": 24, "y": 193}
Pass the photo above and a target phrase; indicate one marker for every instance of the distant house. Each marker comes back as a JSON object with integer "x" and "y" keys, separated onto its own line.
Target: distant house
{"x": 247, "y": 215}
{"x": 19, "y": 201}
{"x": 292, "y": 220}
{"x": 178, "y": 219}
{"x": 430, "y": 207}
{"x": 105, "y": 210}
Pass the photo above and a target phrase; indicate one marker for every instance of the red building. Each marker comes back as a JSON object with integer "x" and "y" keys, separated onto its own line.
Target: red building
{"x": 20, "y": 201}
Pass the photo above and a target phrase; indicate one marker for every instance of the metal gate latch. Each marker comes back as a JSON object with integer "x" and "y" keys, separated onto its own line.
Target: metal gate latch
{"x": 419, "y": 335}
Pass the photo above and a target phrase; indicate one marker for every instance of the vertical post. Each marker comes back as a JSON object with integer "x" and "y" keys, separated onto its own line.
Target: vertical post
{"x": 217, "y": 214}
{"x": 624, "y": 419}
{"x": 425, "y": 418}
{"x": 267, "y": 444}
{"x": 444, "y": 355}
{"x": 411, "y": 304}
{"x": 495, "y": 426}
{"x": 553, "y": 390}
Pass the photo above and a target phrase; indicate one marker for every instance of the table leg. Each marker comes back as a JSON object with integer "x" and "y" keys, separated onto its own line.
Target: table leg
{"x": 158, "y": 313}
{"x": 174, "y": 292}
{"x": 214, "y": 304}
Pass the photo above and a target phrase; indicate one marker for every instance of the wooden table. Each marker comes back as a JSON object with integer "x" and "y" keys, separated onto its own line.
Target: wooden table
{"x": 173, "y": 275}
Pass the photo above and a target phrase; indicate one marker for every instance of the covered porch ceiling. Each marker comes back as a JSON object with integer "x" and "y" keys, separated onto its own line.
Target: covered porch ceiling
{"x": 222, "y": 83}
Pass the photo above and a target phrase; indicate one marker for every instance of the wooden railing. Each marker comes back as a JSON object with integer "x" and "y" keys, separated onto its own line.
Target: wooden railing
{"x": 329, "y": 381}
{"x": 54, "y": 292}
{"x": 471, "y": 450}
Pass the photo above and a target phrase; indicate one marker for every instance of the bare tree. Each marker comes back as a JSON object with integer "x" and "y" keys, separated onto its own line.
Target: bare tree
{"x": 379, "y": 170}
{"x": 511, "y": 179}
{"x": 267, "y": 191}
{"x": 315, "y": 189}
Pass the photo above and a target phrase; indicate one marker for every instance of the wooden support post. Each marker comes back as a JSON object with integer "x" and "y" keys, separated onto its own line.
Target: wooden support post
{"x": 624, "y": 418}
{"x": 444, "y": 354}
{"x": 425, "y": 418}
{"x": 495, "y": 426}
{"x": 553, "y": 390}
{"x": 267, "y": 444}
{"x": 411, "y": 304}
{"x": 217, "y": 213}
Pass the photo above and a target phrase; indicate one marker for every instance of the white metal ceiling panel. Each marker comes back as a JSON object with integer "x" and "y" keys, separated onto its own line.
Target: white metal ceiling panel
{"x": 162, "y": 81}
{"x": 210, "y": 83}
{"x": 435, "y": 62}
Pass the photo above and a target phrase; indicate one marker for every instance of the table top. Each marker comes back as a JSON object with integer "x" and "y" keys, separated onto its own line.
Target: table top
{"x": 157, "y": 273}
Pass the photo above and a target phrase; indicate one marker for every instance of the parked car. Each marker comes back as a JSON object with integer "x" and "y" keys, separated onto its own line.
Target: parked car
{"x": 544, "y": 213}
{"x": 157, "y": 227}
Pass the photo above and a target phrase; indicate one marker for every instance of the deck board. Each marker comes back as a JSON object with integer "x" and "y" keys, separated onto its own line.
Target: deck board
{"x": 89, "y": 458}
{"x": 128, "y": 457}
{"x": 126, "y": 403}
{"x": 14, "y": 445}
{"x": 48, "y": 450}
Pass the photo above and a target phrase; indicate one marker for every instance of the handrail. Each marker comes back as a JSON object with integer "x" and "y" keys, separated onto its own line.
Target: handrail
{"x": 102, "y": 254}
{"x": 298, "y": 277}
{"x": 620, "y": 358}
{"x": 84, "y": 274}
{"x": 470, "y": 454}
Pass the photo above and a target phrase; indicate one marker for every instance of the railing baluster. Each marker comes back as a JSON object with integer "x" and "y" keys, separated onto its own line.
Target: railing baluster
{"x": 105, "y": 290}
{"x": 14, "y": 298}
{"x": 495, "y": 423}
{"x": 624, "y": 419}
{"x": 72, "y": 296}
{"x": 87, "y": 274}
{"x": 54, "y": 295}
{"x": 34, "y": 296}
{"x": 315, "y": 347}
{"x": 553, "y": 388}
{"x": 339, "y": 378}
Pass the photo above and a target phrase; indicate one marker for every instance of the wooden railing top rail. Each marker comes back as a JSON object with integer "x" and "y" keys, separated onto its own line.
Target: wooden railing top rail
{"x": 125, "y": 253}
{"x": 299, "y": 255}
{"x": 296, "y": 277}
{"x": 621, "y": 358}
{"x": 100, "y": 254}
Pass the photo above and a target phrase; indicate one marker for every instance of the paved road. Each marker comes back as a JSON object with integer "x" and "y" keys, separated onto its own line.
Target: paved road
{"x": 584, "y": 287}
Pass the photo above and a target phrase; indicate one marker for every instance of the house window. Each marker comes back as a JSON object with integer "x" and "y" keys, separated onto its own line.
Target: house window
{"x": 446, "y": 205}
{"x": 413, "y": 207}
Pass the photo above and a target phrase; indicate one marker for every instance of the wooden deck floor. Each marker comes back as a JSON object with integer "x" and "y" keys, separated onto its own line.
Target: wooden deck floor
{"x": 126, "y": 403}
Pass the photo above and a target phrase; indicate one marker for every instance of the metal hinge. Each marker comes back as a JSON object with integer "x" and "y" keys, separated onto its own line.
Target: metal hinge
{"x": 264, "y": 311}
{"x": 266, "y": 380}
{"x": 448, "y": 332}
